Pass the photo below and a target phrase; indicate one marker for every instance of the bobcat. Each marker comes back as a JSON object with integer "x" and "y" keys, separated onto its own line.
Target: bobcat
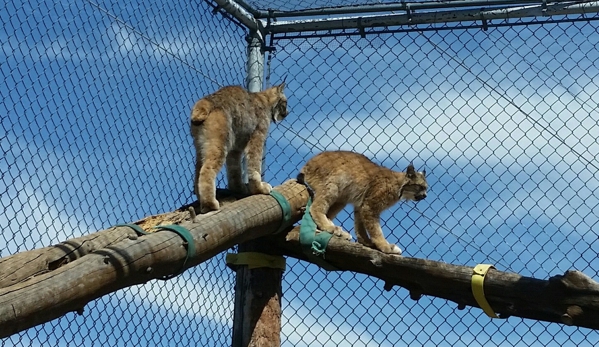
{"x": 226, "y": 124}
{"x": 338, "y": 178}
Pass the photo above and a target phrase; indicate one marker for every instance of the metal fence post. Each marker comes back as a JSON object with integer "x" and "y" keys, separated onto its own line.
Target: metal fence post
{"x": 257, "y": 313}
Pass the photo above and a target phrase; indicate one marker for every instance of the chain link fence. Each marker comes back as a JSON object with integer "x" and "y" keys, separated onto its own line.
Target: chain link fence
{"x": 94, "y": 109}
{"x": 505, "y": 122}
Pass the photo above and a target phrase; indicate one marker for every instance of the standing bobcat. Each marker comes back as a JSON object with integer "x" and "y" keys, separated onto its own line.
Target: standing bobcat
{"x": 226, "y": 124}
{"x": 339, "y": 178}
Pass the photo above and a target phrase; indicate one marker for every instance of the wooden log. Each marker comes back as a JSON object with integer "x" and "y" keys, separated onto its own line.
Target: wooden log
{"x": 25, "y": 265}
{"x": 571, "y": 298}
{"x": 137, "y": 260}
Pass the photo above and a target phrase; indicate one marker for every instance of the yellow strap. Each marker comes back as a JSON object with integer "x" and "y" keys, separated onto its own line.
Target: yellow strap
{"x": 255, "y": 260}
{"x": 478, "y": 279}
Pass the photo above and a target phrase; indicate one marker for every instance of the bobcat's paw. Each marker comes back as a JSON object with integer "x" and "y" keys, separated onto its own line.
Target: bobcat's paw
{"x": 391, "y": 249}
{"x": 339, "y": 232}
{"x": 210, "y": 205}
{"x": 262, "y": 188}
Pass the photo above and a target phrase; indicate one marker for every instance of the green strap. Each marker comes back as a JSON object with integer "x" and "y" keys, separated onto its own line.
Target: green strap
{"x": 135, "y": 227}
{"x": 285, "y": 207}
{"x": 185, "y": 235}
{"x": 314, "y": 244}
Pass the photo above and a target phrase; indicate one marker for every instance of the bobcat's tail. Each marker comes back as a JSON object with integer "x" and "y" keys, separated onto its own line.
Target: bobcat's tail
{"x": 200, "y": 112}
{"x": 301, "y": 179}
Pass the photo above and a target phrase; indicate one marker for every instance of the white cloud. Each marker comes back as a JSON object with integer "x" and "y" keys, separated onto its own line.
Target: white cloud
{"x": 203, "y": 297}
{"x": 302, "y": 328}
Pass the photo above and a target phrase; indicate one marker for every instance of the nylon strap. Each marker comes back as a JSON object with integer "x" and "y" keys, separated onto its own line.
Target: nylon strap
{"x": 255, "y": 260}
{"x": 285, "y": 207}
{"x": 478, "y": 280}
{"x": 185, "y": 235}
{"x": 181, "y": 231}
{"x": 135, "y": 227}
{"x": 314, "y": 244}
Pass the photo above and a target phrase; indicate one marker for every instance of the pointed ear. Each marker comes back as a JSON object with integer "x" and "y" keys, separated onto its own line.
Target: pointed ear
{"x": 423, "y": 172}
{"x": 281, "y": 87}
{"x": 411, "y": 172}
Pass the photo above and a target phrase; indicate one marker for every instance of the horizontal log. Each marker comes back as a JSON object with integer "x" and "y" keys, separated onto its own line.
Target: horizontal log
{"x": 135, "y": 260}
{"x": 571, "y": 298}
{"x": 25, "y": 265}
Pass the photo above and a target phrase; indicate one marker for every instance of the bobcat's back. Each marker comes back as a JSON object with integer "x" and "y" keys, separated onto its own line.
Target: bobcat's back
{"x": 355, "y": 178}
{"x": 224, "y": 126}
{"x": 236, "y": 114}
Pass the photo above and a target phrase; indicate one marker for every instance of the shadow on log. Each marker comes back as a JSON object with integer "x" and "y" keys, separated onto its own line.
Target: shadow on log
{"x": 572, "y": 298}
{"x": 85, "y": 269}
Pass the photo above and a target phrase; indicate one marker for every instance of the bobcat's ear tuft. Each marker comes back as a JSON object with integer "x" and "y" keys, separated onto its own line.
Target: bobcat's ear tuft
{"x": 281, "y": 86}
{"x": 423, "y": 172}
{"x": 411, "y": 171}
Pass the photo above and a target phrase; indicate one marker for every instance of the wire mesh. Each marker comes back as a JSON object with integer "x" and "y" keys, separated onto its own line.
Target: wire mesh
{"x": 94, "y": 106}
{"x": 94, "y": 109}
{"x": 505, "y": 123}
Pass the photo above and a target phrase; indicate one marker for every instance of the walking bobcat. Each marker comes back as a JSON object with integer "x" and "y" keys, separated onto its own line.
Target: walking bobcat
{"x": 338, "y": 178}
{"x": 226, "y": 124}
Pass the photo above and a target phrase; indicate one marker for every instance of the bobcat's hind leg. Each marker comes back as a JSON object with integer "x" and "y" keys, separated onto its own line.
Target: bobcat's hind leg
{"x": 234, "y": 180}
{"x": 321, "y": 209}
{"x": 214, "y": 159}
{"x": 372, "y": 225}
{"x": 196, "y": 177}
{"x": 197, "y": 134}
{"x": 361, "y": 233}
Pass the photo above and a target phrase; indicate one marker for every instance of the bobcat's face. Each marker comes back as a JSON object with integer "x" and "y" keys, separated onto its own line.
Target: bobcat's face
{"x": 416, "y": 185}
{"x": 280, "y": 111}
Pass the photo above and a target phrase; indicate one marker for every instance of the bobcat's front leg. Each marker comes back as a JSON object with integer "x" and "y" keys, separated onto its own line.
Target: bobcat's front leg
{"x": 372, "y": 225}
{"x": 361, "y": 233}
{"x": 254, "y": 151}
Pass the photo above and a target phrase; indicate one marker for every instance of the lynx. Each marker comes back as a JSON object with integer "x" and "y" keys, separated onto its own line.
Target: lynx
{"x": 226, "y": 124}
{"x": 338, "y": 178}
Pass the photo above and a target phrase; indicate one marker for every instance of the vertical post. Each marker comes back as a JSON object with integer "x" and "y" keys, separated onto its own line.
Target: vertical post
{"x": 255, "y": 63}
{"x": 257, "y": 314}
{"x": 255, "y": 76}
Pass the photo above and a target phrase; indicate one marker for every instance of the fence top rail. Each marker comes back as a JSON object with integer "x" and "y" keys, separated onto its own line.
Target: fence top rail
{"x": 361, "y": 17}
{"x": 386, "y": 7}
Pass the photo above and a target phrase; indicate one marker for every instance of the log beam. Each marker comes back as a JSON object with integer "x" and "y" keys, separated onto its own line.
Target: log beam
{"x": 25, "y": 265}
{"x": 137, "y": 260}
{"x": 571, "y": 298}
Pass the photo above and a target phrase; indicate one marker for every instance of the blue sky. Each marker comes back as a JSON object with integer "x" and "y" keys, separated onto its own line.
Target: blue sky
{"x": 94, "y": 132}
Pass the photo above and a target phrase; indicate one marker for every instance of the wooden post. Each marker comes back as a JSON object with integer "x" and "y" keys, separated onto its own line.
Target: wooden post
{"x": 257, "y": 316}
{"x": 257, "y": 313}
